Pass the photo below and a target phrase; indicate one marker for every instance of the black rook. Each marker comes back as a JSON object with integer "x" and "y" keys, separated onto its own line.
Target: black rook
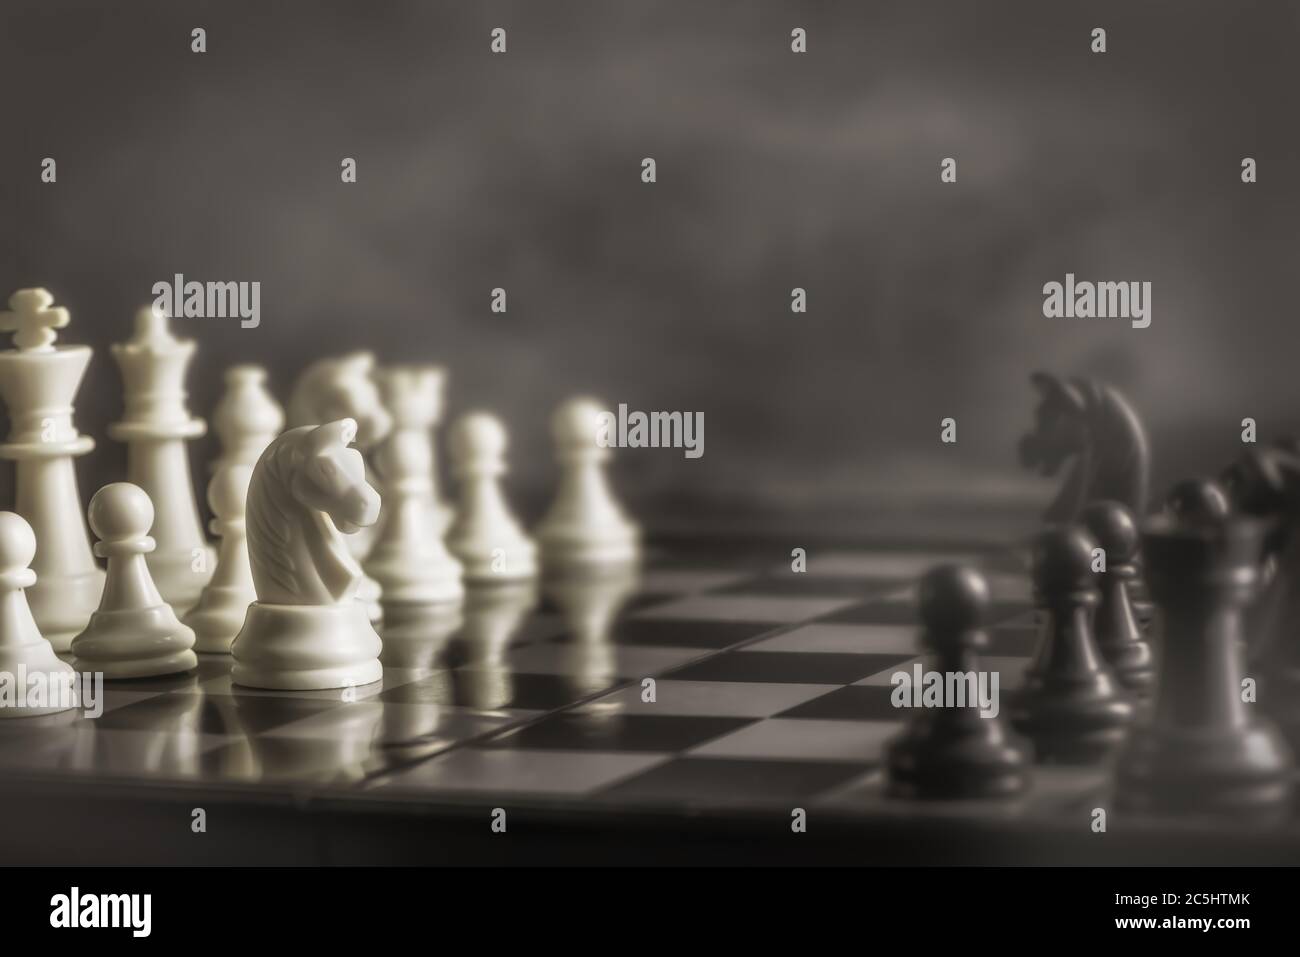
{"x": 1203, "y": 749}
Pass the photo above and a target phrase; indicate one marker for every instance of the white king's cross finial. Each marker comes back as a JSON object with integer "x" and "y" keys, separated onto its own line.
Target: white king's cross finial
{"x": 32, "y": 318}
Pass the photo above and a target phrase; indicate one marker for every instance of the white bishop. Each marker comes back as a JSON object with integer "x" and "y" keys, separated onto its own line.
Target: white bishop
{"x": 246, "y": 419}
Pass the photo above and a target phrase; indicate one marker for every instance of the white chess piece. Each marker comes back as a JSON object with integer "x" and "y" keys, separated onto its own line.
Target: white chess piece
{"x": 409, "y": 559}
{"x": 344, "y": 388}
{"x": 390, "y": 381}
{"x": 40, "y": 682}
{"x": 219, "y": 615}
{"x": 246, "y": 418}
{"x": 134, "y": 633}
{"x": 38, "y": 381}
{"x": 585, "y": 525}
{"x": 484, "y": 535}
{"x": 341, "y": 388}
{"x": 307, "y": 630}
{"x": 155, "y": 427}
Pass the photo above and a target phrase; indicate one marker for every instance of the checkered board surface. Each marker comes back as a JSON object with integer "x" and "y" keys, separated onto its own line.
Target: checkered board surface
{"x": 772, "y": 691}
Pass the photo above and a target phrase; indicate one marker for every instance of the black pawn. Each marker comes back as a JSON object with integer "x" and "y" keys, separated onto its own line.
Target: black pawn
{"x": 1115, "y": 627}
{"x": 1204, "y": 749}
{"x": 1072, "y": 706}
{"x": 1199, "y": 499}
{"x": 953, "y": 752}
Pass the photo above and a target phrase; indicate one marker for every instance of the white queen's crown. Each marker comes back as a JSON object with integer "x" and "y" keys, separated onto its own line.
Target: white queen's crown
{"x": 153, "y": 364}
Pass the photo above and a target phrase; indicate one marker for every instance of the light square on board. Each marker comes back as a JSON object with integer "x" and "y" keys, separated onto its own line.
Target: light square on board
{"x": 842, "y": 638}
{"x": 531, "y": 772}
{"x": 687, "y": 581}
{"x": 149, "y": 753}
{"x": 709, "y": 698}
{"x": 399, "y": 723}
{"x": 598, "y": 662}
{"x": 786, "y": 667}
{"x": 670, "y": 633}
{"x": 777, "y": 610}
{"x": 884, "y": 564}
{"x": 855, "y": 702}
{"x": 616, "y": 733}
{"x": 1010, "y": 668}
{"x": 700, "y": 781}
{"x": 792, "y": 739}
{"x": 885, "y": 676}
{"x": 486, "y": 688}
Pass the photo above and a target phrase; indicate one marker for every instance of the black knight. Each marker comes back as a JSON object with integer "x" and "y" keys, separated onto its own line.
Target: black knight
{"x": 1092, "y": 423}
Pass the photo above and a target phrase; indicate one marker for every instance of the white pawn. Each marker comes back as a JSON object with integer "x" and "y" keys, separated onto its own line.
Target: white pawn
{"x": 484, "y": 535}
{"x": 24, "y": 652}
{"x": 134, "y": 634}
{"x": 219, "y": 615}
{"x": 585, "y": 526}
{"x": 409, "y": 559}
{"x": 246, "y": 419}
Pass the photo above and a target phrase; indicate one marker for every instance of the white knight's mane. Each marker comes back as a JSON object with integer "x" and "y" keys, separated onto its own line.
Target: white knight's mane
{"x": 270, "y": 505}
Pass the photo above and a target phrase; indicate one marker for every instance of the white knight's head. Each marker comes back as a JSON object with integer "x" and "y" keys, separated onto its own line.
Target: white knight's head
{"x": 332, "y": 478}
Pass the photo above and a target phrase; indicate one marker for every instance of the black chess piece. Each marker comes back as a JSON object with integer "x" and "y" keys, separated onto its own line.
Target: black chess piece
{"x": 1204, "y": 749}
{"x": 1265, "y": 484}
{"x": 1115, "y": 626}
{"x": 1198, "y": 498}
{"x": 1189, "y": 498}
{"x": 1091, "y": 423}
{"x": 1278, "y": 667}
{"x": 1252, "y": 485}
{"x": 1072, "y": 706}
{"x": 1273, "y": 647}
{"x": 1288, "y": 443}
{"x": 954, "y": 752}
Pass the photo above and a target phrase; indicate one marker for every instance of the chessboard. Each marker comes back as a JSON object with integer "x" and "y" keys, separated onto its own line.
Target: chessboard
{"x": 718, "y": 707}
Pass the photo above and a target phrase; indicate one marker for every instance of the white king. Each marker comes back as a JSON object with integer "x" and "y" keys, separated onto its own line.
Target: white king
{"x": 38, "y": 382}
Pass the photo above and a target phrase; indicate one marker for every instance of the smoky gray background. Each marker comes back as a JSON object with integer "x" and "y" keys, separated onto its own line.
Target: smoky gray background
{"x": 775, "y": 170}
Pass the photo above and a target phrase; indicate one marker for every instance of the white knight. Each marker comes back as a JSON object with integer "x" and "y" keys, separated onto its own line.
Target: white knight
{"x": 307, "y": 630}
